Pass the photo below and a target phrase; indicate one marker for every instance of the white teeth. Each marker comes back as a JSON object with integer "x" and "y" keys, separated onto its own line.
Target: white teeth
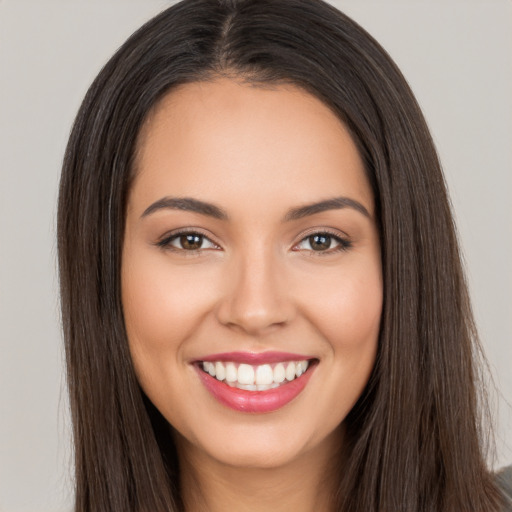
{"x": 220, "y": 371}
{"x": 210, "y": 368}
{"x": 255, "y": 378}
{"x": 264, "y": 375}
{"x": 245, "y": 374}
{"x": 301, "y": 367}
{"x": 248, "y": 387}
{"x": 264, "y": 387}
{"x": 279, "y": 373}
{"x": 231, "y": 372}
{"x": 290, "y": 371}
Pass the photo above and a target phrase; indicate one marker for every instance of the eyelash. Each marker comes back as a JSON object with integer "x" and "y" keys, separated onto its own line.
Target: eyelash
{"x": 344, "y": 244}
{"x": 165, "y": 243}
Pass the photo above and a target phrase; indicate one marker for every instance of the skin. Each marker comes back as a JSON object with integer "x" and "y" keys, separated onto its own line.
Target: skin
{"x": 255, "y": 284}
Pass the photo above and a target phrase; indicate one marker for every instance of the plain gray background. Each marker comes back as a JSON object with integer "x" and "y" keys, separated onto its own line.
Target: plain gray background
{"x": 457, "y": 56}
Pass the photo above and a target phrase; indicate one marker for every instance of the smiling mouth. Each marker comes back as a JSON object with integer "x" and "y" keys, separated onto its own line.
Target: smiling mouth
{"x": 251, "y": 382}
{"x": 255, "y": 377}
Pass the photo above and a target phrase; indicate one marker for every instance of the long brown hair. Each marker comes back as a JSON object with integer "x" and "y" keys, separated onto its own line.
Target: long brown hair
{"x": 414, "y": 439}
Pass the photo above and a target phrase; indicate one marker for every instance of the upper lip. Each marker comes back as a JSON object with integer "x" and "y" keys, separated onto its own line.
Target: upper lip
{"x": 254, "y": 358}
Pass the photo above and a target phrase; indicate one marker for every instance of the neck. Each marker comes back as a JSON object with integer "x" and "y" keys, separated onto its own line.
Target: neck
{"x": 307, "y": 484}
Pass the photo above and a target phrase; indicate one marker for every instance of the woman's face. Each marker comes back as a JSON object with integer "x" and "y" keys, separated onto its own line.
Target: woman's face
{"x": 251, "y": 251}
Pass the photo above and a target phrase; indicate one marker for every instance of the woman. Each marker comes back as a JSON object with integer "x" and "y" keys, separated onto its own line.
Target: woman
{"x": 262, "y": 294}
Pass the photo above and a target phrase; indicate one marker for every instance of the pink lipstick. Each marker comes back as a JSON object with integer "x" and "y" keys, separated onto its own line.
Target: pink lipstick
{"x": 255, "y": 382}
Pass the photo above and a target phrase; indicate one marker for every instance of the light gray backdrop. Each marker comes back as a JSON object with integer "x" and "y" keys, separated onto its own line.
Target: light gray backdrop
{"x": 457, "y": 55}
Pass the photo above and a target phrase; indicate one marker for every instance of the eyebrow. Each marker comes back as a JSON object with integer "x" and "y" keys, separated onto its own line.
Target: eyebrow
{"x": 195, "y": 205}
{"x": 187, "y": 204}
{"x": 335, "y": 203}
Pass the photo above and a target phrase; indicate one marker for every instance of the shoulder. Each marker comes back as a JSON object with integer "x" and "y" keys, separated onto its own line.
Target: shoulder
{"x": 504, "y": 483}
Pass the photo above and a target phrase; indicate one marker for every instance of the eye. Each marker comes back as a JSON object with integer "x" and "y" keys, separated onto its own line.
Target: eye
{"x": 323, "y": 242}
{"x": 187, "y": 241}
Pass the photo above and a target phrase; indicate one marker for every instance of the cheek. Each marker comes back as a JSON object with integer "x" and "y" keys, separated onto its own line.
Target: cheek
{"x": 346, "y": 306}
{"x": 355, "y": 311}
{"x": 346, "y": 310}
{"x": 162, "y": 306}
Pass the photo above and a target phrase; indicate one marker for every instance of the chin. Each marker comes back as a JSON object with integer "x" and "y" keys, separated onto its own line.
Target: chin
{"x": 257, "y": 455}
{"x": 259, "y": 446}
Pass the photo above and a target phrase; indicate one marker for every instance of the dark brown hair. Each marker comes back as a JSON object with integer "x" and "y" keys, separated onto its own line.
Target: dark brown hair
{"x": 414, "y": 439}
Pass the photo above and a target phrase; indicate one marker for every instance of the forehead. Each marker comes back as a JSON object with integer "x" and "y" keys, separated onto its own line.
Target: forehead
{"x": 224, "y": 137}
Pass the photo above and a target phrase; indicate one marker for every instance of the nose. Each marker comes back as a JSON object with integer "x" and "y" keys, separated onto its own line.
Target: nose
{"x": 256, "y": 298}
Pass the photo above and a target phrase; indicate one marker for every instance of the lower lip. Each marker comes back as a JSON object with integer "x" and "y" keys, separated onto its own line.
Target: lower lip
{"x": 255, "y": 401}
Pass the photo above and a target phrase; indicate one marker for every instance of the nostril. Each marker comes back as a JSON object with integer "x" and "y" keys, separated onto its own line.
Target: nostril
{"x": 251, "y": 318}
{"x": 255, "y": 297}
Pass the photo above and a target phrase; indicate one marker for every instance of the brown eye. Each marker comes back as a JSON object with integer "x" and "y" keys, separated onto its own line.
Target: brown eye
{"x": 191, "y": 241}
{"x": 323, "y": 243}
{"x": 320, "y": 242}
{"x": 187, "y": 241}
